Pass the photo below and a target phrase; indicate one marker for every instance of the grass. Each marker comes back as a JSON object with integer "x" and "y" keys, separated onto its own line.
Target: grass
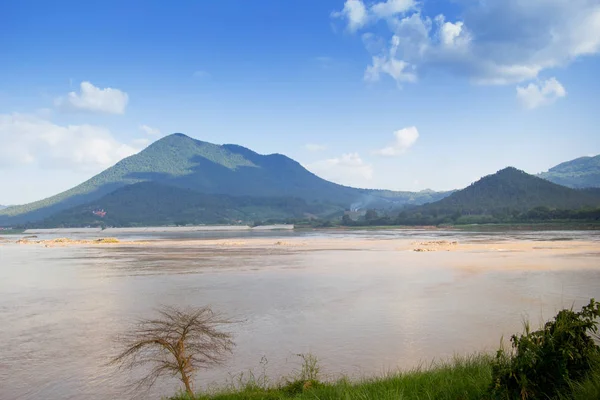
{"x": 463, "y": 378}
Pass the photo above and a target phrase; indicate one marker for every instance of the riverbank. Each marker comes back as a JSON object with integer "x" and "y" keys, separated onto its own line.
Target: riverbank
{"x": 465, "y": 378}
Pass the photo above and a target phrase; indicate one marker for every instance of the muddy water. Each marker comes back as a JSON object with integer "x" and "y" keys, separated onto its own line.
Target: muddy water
{"x": 364, "y": 303}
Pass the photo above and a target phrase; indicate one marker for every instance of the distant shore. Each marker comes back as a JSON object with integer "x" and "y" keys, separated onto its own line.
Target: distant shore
{"x": 157, "y": 229}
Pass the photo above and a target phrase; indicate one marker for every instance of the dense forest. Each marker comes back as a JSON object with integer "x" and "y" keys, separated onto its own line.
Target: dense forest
{"x": 152, "y": 204}
{"x": 508, "y": 196}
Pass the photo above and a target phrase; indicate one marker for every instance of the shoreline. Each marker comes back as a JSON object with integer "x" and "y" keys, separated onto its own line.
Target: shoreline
{"x": 489, "y": 248}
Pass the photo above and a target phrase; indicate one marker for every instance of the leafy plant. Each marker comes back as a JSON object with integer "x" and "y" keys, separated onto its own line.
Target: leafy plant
{"x": 547, "y": 361}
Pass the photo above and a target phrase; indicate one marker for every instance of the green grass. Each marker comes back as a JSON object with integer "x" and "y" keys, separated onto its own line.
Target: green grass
{"x": 461, "y": 379}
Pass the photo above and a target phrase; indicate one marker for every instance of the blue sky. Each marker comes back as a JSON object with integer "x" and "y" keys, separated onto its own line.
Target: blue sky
{"x": 394, "y": 94}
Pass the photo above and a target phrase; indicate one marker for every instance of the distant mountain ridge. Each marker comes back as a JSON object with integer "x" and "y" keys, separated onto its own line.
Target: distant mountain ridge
{"x": 2, "y": 207}
{"x": 583, "y": 172}
{"x": 509, "y": 195}
{"x": 231, "y": 170}
{"x": 512, "y": 189}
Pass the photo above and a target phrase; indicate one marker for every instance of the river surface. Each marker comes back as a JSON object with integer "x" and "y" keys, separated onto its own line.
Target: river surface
{"x": 361, "y": 308}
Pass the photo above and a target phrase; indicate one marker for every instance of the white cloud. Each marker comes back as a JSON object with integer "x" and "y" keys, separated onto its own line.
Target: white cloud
{"x": 540, "y": 94}
{"x": 349, "y": 169}
{"x": 491, "y": 42}
{"x": 388, "y": 64}
{"x": 355, "y": 12}
{"x": 452, "y": 35}
{"x": 314, "y": 147}
{"x": 404, "y": 139}
{"x": 390, "y": 8}
{"x": 28, "y": 139}
{"x": 94, "y": 99}
{"x": 149, "y": 130}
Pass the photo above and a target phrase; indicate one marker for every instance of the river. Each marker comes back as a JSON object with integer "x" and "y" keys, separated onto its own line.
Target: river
{"x": 363, "y": 302}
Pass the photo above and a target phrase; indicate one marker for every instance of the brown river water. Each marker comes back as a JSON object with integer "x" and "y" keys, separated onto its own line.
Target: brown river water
{"x": 365, "y": 303}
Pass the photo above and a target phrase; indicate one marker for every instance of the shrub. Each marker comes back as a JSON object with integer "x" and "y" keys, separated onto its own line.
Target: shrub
{"x": 545, "y": 362}
{"x": 307, "y": 377}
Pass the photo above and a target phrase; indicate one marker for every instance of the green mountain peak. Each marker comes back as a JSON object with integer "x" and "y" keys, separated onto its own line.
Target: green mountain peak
{"x": 582, "y": 172}
{"x": 180, "y": 161}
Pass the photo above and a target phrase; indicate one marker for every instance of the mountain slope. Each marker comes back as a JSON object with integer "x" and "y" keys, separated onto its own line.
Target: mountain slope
{"x": 178, "y": 160}
{"x": 2, "y": 207}
{"x": 514, "y": 190}
{"x": 155, "y": 204}
{"x": 582, "y": 172}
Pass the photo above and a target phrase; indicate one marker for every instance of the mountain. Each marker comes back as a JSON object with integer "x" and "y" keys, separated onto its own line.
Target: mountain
{"x": 180, "y": 161}
{"x": 514, "y": 190}
{"x": 155, "y": 204}
{"x": 582, "y": 172}
{"x": 2, "y": 207}
{"x": 510, "y": 195}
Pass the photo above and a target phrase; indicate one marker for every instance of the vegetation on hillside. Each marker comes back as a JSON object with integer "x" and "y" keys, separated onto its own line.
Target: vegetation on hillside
{"x": 178, "y": 160}
{"x": 511, "y": 189}
{"x": 509, "y": 196}
{"x": 153, "y": 204}
{"x": 582, "y": 172}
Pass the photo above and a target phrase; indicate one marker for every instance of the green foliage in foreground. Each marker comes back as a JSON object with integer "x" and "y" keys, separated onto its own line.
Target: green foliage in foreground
{"x": 544, "y": 362}
{"x": 463, "y": 378}
{"x": 560, "y": 361}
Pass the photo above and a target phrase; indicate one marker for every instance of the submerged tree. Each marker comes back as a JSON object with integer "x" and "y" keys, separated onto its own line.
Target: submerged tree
{"x": 177, "y": 343}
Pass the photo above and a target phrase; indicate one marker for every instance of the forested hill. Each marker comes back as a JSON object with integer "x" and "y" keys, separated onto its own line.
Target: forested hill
{"x": 511, "y": 190}
{"x": 180, "y": 161}
{"x": 583, "y": 172}
{"x": 155, "y": 204}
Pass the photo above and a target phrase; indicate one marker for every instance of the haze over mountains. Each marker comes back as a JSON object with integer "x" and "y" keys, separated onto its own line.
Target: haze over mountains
{"x": 180, "y": 180}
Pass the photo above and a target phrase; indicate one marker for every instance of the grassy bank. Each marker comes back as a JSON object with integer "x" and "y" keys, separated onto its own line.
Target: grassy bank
{"x": 466, "y": 378}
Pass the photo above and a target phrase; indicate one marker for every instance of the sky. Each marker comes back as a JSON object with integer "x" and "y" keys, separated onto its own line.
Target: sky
{"x": 395, "y": 94}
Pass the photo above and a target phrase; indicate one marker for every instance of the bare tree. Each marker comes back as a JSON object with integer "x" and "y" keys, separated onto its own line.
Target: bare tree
{"x": 177, "y": 343}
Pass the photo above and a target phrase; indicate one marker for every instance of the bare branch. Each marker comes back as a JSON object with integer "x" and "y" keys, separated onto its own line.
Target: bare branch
{"x": 178, "y": 342}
